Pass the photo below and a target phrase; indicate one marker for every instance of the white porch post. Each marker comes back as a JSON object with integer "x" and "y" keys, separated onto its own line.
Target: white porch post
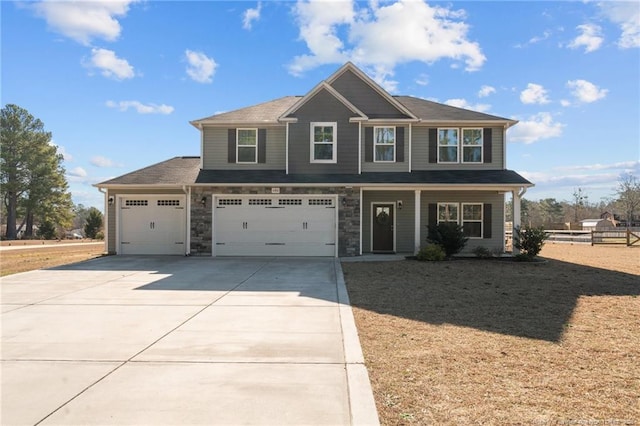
{"x": 516, "y": 218}
{"x": 417, "y": 222}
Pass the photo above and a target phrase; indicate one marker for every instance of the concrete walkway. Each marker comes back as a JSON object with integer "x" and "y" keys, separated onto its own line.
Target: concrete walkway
{"x": 173, "y": 340}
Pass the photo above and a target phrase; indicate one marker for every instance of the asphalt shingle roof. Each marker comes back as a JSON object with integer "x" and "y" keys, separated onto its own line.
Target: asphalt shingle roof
{"x": 175, "y": 171}
{"x": 266, "y": 112}
{"x": 434, "y": 111}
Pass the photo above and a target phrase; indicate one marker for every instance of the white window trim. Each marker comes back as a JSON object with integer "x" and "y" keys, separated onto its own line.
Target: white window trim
{"x": 255, "y": 161}
{"x": 457, "y": 146}
{"x": 481, "y": 146}
{"x": 481, "y": 220}
{"x": 312, "y": 143}
{"x": 375, "y": 143}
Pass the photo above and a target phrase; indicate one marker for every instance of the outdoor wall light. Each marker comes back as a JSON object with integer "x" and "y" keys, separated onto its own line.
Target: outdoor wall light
{"x": 111, "y": 200}
{"x": 203, "y": 201}
{"x": 399, "y": 203}
{"x": 344, "y": 202}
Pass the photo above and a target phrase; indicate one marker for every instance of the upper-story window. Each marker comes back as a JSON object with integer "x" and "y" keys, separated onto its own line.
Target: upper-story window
{"x": 247, "y": 146}
{"x": 384, "y": 144}
{"x": 449, "y": 145}
{"x": 323, "y": 143}
{"x": 472, "y": 145}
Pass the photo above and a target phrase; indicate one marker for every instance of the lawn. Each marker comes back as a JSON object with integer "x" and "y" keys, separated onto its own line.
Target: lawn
{"x": 497, "y": 342}
{"x": 45, "y": 255}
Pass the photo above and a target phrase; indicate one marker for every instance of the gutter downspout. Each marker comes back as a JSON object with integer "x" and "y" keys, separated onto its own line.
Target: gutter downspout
{"x": 106, "y": 219}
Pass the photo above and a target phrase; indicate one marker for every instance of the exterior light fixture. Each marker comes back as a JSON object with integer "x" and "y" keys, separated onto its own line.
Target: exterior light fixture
{"x": 203, "y": 201}
{"x": 111, "y": 200}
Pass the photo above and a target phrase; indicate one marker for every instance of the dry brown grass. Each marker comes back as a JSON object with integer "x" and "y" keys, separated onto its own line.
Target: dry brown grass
{"x": 495, "y": 342}
{"x": 29, "y": 259}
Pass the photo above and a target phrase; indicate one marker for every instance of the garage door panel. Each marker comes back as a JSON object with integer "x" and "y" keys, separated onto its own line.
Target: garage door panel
{"x": 261, "y": 226}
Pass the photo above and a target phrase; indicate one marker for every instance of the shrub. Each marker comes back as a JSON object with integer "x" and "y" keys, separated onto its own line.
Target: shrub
{"x": 100, "y": 235}
{"x": 482, "y": 252}
{"x": 47, "y": 230}
{"x": 529, "y": 241}
{"x": 432, "y": 252}
{"x": 449, "y": 235}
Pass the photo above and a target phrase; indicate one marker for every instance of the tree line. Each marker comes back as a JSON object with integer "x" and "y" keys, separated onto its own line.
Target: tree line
{"x": 33, "y": 186}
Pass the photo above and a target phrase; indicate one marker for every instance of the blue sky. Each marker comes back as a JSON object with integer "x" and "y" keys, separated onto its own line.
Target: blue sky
{"x": 117, "y": 82}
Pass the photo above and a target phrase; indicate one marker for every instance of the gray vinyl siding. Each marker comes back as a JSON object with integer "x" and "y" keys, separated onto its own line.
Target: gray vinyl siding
{"x": 112, "y": 212}
{"x": 215, "y": 149}
{"x": 323, "y": 107}
{"x": 420, "y": 147}
{"x": 486, "y": 197}
{"x": 371, "y": 166}
{"x": 404, "y": 234}
{"x": 364, "y": 97}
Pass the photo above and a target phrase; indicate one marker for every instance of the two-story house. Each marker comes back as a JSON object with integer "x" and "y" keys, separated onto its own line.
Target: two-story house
{"x": 344, "y": 170}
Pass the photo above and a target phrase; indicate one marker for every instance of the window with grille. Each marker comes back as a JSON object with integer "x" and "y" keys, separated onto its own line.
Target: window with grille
{"x": 133, "y": 203}
{"x": 290, "y": 202}
{"x": 168, "y": 202}
{"x": 321, "y": 202}
{"x": 260, "y": 202}
{"x": 229, "y": 202}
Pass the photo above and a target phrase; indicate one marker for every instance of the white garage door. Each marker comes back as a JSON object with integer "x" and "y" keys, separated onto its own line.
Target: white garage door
{"x": 275, "y": 226}
{"x": 152, "y": 224}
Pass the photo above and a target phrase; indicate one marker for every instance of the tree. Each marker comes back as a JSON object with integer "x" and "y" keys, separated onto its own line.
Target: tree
{"x": 628, "y": 192}
{"x": 551, "y": 210}
{"x": 94, "y": 223}
{"x": 32, "y": 179}
{"x": 579, "y": 203}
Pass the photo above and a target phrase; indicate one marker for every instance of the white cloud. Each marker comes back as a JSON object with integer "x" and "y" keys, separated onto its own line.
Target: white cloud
{"x": 565, "y": 102}
{"x": 251, "y": 15}
{"x": 77, "y": 172}
{"x": 61, "y": 150}
{"x": 422, "y": 80}
{"x": 140, "y": 107}
{"x": 379, "y": 38}
{"x": 110, "y": 65}
{"x": 486, "y": 91}
{"x": 100, "y": 161}
{"x": 534, "y": 94}
{"x": 83, "y": 21}
{"x": 537, "y": 127}
{"x": 591, "y": 38}
{"x": 585, "y": 91}
{"x": 462, "y": 103}
{"x": 627, "y": 16}
{"x": 623, "y": 165}
{"x": 201, "y": 68}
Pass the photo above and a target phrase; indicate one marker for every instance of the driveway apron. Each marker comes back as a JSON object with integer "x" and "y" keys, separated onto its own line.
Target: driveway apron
{"x": 170, "y": 340}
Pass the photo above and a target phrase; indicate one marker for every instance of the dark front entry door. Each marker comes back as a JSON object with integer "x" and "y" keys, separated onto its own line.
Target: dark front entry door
{"x": 382, "y": 227}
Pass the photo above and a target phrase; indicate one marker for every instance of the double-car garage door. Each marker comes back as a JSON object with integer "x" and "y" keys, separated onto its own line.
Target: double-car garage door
{"x": 274, "y": 226}
{"x": 242, "y": 225}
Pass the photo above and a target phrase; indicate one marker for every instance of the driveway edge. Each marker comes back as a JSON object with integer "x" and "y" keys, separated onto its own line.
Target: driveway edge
{"x": 361, "y": 402}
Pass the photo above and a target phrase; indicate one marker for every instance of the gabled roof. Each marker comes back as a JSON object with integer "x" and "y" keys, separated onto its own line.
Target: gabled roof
{"x": 266, "y": 112}
{"x": 175, "y": 171}
{"x": 333, "y": 92}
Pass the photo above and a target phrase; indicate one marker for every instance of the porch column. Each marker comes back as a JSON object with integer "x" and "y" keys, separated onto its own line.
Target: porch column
{"x": 516, "y": 217}
{"x": 417, "y": 222}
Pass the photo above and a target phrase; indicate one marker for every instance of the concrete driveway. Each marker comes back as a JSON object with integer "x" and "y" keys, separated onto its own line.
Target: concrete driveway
{"x": 170, "y": 340}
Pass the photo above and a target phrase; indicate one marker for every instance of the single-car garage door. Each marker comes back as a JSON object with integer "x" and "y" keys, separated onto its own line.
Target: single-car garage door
{"x": 152, "y": 224}
{"x": 275, "y": 226}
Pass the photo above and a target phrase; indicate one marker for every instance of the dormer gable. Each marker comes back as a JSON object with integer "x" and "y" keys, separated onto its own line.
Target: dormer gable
{"x": 290, "y": 114}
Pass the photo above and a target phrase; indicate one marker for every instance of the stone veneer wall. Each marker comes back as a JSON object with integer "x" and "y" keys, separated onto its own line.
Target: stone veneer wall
{"x": 348, "y": 214}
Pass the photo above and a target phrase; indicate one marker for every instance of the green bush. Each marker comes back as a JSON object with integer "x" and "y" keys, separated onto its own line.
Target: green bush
{"x": 100, "y": 235}
{"x": 483, "y": 252}
{"x": 47, "y": 230}
{"x": 432, "y": 252}
{"x": 529, "y": 241}
{"x": 449, "y": 236}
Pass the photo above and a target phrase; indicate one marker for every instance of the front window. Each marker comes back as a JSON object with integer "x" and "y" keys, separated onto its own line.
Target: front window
{"x": 384, "y": 144}
{"x": 472, "y": 220}
{"x": 448, "y": 141}
{"x": 472, "y": 145}
{"x": 247, "y": 146}
{"x": 323, "y": 142}
{"x": 447, "y": 212}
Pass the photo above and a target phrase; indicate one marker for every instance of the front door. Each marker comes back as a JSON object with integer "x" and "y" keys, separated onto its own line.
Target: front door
{"x": 382, "y": 227}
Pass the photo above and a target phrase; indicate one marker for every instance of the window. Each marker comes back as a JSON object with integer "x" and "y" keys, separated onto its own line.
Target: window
{"x": 247, "y": 146}
{"x": 472, "y": 145}
{"x": 447, "y": 212}
{"x": 323, "y": 143}
{"x": 384, "y": 144}
{"x": 448, "y": 142}
{"x": 472, "y": 220}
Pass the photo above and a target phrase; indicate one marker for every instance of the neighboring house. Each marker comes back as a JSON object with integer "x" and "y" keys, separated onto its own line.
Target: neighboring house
{"x": 598, "y": 224}
{"x": 346, "y": 169}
